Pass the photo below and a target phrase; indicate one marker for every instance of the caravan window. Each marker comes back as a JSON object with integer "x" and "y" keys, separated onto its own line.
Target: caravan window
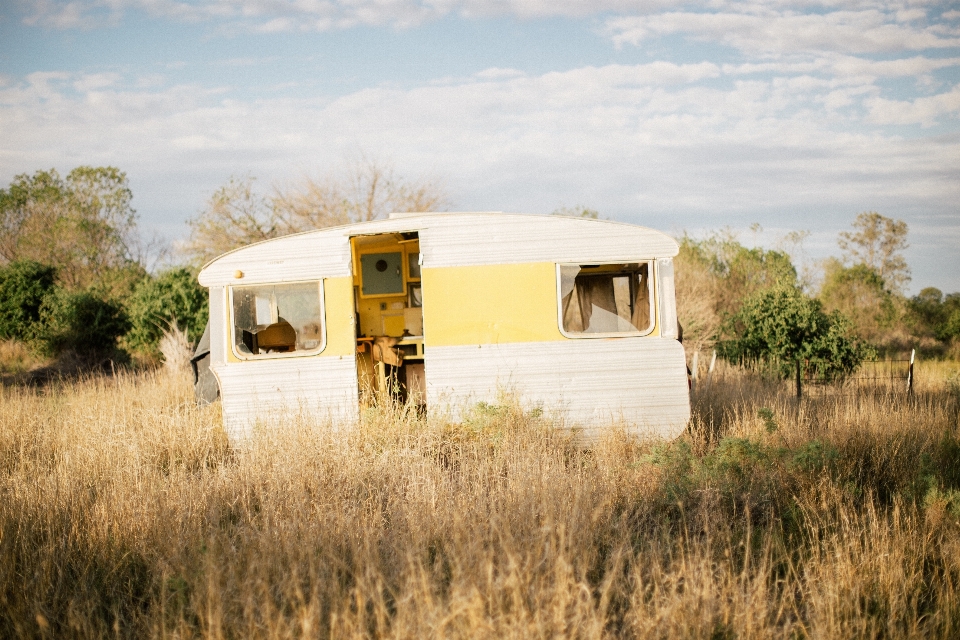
{"x": 277, "y": 318}
{"x": 605, "y": 299}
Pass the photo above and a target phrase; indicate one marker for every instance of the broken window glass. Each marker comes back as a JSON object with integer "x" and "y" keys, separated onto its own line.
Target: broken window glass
{"x": 277, "y": 318}
{"x": 604, "y": 299}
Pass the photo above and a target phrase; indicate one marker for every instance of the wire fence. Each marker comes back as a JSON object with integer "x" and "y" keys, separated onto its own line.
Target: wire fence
{"x": 808, "y": 377}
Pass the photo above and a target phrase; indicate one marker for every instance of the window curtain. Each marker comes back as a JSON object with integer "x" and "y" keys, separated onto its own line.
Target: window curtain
{"x": 589, "y": 292}
{"x": 641, "y": 302}
{"x": 589, "y": 302}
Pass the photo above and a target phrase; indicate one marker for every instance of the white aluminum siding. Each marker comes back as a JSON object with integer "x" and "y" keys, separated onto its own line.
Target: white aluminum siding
{"x": 273, "y": 391}
{"x": 305, "y": 256}
{"x": 639, "y": 383}
{"x": 446, "y": 240}
{"x": 478, "y": 239}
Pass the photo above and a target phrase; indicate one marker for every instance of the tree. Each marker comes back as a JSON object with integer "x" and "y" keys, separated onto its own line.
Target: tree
{"x": 933, "y": 314}
{"x": 237, "y": 215}
{"x": 716, "y": 274}
{"x": 950, "y": 329}
{"x": 23, "y": 286}
{"x": 877, "y": 242}
{"x": 780, "y": 326}
{"x": 82, "y": 322}
{"x": 173, "y": 297}
{"x": 83, "y": 225}
{"x": 859, "y": 293}
{"x": 368, "y": 190}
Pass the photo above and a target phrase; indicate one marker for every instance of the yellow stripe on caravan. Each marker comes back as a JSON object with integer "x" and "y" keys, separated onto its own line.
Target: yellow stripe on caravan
{"x": 490, "y": 304}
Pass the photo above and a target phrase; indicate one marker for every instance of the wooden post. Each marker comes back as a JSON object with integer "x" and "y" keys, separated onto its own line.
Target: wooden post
{"x": 799, "y": 383}
{"x": 695, "y": 365}
{"x": 382, "y": 378}
{"x": 913, "y": 353}
{"x": 713, "y": 362}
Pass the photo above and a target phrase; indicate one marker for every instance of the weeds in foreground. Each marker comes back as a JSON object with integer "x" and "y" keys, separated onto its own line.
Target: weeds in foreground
{"x": 124, "y": 512}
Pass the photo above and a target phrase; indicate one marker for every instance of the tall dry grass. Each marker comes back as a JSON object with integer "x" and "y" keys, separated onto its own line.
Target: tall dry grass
{"x": 123, "y": 512}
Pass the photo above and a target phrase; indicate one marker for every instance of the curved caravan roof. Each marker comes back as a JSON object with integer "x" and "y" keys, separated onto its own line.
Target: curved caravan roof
{"x": 446, "y": 240}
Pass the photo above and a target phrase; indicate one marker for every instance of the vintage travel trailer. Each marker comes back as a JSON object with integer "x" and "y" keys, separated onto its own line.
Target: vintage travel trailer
{"x": 574, "y": 315}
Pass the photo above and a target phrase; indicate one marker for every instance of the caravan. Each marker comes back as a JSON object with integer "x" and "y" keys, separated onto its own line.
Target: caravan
{"x": 575, "y": 315}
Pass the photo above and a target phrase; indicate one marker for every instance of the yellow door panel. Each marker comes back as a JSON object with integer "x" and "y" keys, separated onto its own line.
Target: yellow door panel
{"x": 338, "y": 305}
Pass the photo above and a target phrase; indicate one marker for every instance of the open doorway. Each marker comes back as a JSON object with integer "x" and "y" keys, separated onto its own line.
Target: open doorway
{"x": 389, "y": 301}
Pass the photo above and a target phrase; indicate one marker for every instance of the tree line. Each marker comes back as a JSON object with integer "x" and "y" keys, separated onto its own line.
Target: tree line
{"x": 753, "y": 304}
{"x": 73, "y": 268}
{"x": 74, "y": 276}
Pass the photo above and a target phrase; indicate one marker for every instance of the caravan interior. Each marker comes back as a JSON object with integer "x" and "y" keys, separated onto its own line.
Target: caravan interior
{"x": 389, "y": 310}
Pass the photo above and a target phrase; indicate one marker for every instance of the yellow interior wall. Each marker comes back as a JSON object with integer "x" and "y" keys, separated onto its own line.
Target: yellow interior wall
{"x": 490, "y": 304}
{"x": 370, "y": 315}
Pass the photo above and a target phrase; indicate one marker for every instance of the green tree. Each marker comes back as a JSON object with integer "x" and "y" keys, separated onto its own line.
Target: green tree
{"x": 81, "y": 322}
{"x": 716, "y": 274}
{"x": 23, "y": 286}
{"x": 878, "y": 243}
{"x": 950, "y": 329}
{"x": 173, "y": 297}
{"x": 933, "y": 314}
{"x": 858, "y": 292}
{"x": 82, "y": 224}
{"x": 781, "y": 325}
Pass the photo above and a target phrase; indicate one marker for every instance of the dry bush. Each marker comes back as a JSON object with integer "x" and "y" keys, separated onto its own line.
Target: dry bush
{"x": 697, "y": 301}
{"x": 16, "y": 357}
{"x": 176, "y": 350}
{"x": 124, "y": 512}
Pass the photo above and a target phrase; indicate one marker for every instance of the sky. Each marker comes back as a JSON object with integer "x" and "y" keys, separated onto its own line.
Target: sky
{"x": 690, "y": 117}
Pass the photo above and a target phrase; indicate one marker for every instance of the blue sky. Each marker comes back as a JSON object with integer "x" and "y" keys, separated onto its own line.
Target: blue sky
{"x": 683, "y": 116}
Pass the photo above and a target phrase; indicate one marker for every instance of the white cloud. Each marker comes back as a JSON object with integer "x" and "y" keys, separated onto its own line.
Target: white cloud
{"x": 94, "y": 81}
{"x": 765, "y": 28}
{"x": 66, "y": 15}
{"x": 771, "y": 32}
{"x": 641, "y": 138}
{"x": 926, "y": 111}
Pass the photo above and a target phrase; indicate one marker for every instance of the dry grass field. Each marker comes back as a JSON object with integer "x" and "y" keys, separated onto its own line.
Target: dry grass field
{"x": 123, "y": 512}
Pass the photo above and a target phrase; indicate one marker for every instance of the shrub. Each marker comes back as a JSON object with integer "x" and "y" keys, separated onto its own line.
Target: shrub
{"x": 23, "y": 285}
{"x": 80, "y": 321}
{"x": 780, "y": 325}
{"x": 860, "y": 293}
{"x": 173, "y": 297}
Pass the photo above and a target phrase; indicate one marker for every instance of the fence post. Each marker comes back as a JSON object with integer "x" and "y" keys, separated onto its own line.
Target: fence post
{"x": 913, "y": 353}
{"x": 696, "y": 367}
{"x": 713, "y": 361}
{"x": 799, "y": 384}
